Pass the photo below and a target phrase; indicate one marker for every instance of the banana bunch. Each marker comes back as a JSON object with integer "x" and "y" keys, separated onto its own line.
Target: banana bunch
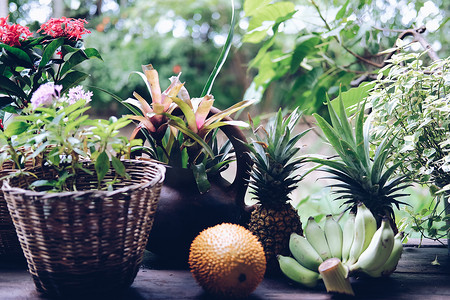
{"x": 360, "y": 247}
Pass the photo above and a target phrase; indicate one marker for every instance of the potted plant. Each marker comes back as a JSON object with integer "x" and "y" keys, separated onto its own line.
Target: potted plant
{"x": 29, "y": 60}
{"x": 413, "y": 99}
{"x": 83, "y": 214}
{"x": 182, "y": 134}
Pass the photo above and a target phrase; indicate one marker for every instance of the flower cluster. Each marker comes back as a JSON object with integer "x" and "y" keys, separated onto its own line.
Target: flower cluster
{"x": 30, "y": 59}
{"x": 65, "y": 27}
{"x": 77, "y": 93}
{"x": 47, "y": 93}
{"x": 13, "y": 34}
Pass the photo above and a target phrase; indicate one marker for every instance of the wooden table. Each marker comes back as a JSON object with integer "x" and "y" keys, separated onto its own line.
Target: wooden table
{"x": 415, "y": 278}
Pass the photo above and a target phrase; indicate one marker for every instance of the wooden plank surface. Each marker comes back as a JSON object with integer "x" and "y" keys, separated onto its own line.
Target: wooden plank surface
{"x": 415, "y": 278}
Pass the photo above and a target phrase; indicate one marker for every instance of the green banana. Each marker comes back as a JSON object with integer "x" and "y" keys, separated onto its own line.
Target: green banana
{"x": 365, "y": 227}
{"x": 303, "y": 252}
{"x": 296, "y": 272}
{"x": 379, "y": 250}
{"x": 333, "y": 234}
{"x": 391, "y": 264}
{"x": 370, "y": 227}
{"x": 316, "y": 237}
{"x": 347, "y": 236}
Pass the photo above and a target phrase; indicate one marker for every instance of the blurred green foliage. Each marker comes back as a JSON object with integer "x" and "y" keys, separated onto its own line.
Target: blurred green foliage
{"x": 292, "y": 51}
{"x": 174, "y": 38}
{"x": 310, "y": 48}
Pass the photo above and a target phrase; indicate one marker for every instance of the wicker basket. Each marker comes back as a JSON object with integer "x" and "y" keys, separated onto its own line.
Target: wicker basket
{"x": 88, "y": 241}
{"x": 9, "y": 243}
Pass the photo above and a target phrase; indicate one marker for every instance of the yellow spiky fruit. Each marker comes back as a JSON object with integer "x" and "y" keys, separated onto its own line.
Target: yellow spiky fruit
{"x": 227, "y": 260}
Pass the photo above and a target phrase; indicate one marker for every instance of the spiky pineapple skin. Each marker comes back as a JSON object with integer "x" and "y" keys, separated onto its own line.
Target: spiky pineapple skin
{"x": 273, "y": 227}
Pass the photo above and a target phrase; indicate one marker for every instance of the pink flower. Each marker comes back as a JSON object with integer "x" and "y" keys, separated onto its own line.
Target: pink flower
{"x": 13, "y": 34}
{"x": 45, "y": 94}
{"x": 77, "y": 93}
{"x": 65, "y": 27}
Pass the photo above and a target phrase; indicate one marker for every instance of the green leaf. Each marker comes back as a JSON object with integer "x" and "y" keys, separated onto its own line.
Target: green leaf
{"x": 345, "y": 123}
{"x": 179, "y": 124}
{"x": 227, "y": 112}
{"x": 50, "y": 50}
{"x": 353, "y": 96}
{"x": 335, "y": 121}
{"x": 251, "y": 6}
{"x": 77, "y": 58}
{"x": 92, "y": 53}
{"x": 120, "y": 100}
{"x": 330, "y": 133}
{"x": 187, "y": 112}
{"x": 201, "y": 178}
{"x": 363, "y": 151}
{"x": 271, "y": 12}
{"x": 223, "y": 55}
{"x": 119, "y": 167}
{"x": 8, "y": 86}
{"x": 41, "y": 183}
{"x": 386, "y": 175}
{"x": 16, "y": 128}
{"x": 73, "y": 125}
{"x": 71, "y": 79}
{"x": 19, "y": 53}
{"x": 305, "y": 45}
{"x": 69, "y": 49}
{"x": 102, "y": 166}
{"x": 342, "y": 11}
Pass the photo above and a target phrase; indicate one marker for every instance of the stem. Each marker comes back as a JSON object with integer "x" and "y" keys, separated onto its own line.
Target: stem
{"x": 335, "y": 277}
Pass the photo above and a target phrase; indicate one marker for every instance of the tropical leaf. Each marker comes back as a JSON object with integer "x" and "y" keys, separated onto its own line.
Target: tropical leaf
{"x": 201, "y": 178}
{"x": 102, "y": 166}
{"x": 223, "y": 55}
{"x": 50, "y": 50}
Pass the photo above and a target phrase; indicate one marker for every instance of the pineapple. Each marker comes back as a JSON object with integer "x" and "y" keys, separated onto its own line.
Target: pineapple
{"x": 272, "y": 179}
{"x": 361, "y": 178}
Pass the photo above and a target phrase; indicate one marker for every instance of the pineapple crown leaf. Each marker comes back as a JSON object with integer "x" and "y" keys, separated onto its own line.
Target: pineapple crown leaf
{"x": 340, "y": 121}
{"x": 360, "y": 177}
{"x": 274, "y": 156}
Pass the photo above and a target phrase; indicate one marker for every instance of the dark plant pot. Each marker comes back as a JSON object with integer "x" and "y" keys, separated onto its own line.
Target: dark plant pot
{"x": 183, "y": 212}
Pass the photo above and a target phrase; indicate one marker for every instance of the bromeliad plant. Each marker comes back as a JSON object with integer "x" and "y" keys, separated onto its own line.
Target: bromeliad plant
{"x": 362, "y": 174}
{"x": 55, "y": 130}
{"x": 49, "y": 55}
{"x": 182, "y": 130}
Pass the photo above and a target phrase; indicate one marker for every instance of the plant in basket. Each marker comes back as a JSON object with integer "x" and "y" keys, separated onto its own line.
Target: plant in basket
{"x": 83, "y": 214}
{"x": 29, "y": 60}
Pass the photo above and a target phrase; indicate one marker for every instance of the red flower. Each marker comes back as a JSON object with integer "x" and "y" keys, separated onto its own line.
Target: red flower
{"x": 65, "y": 27}
{"x": 13, "y": 34}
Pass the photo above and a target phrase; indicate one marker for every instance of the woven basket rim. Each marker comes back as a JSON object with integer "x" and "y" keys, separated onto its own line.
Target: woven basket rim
{"x": 6, "y": 187}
